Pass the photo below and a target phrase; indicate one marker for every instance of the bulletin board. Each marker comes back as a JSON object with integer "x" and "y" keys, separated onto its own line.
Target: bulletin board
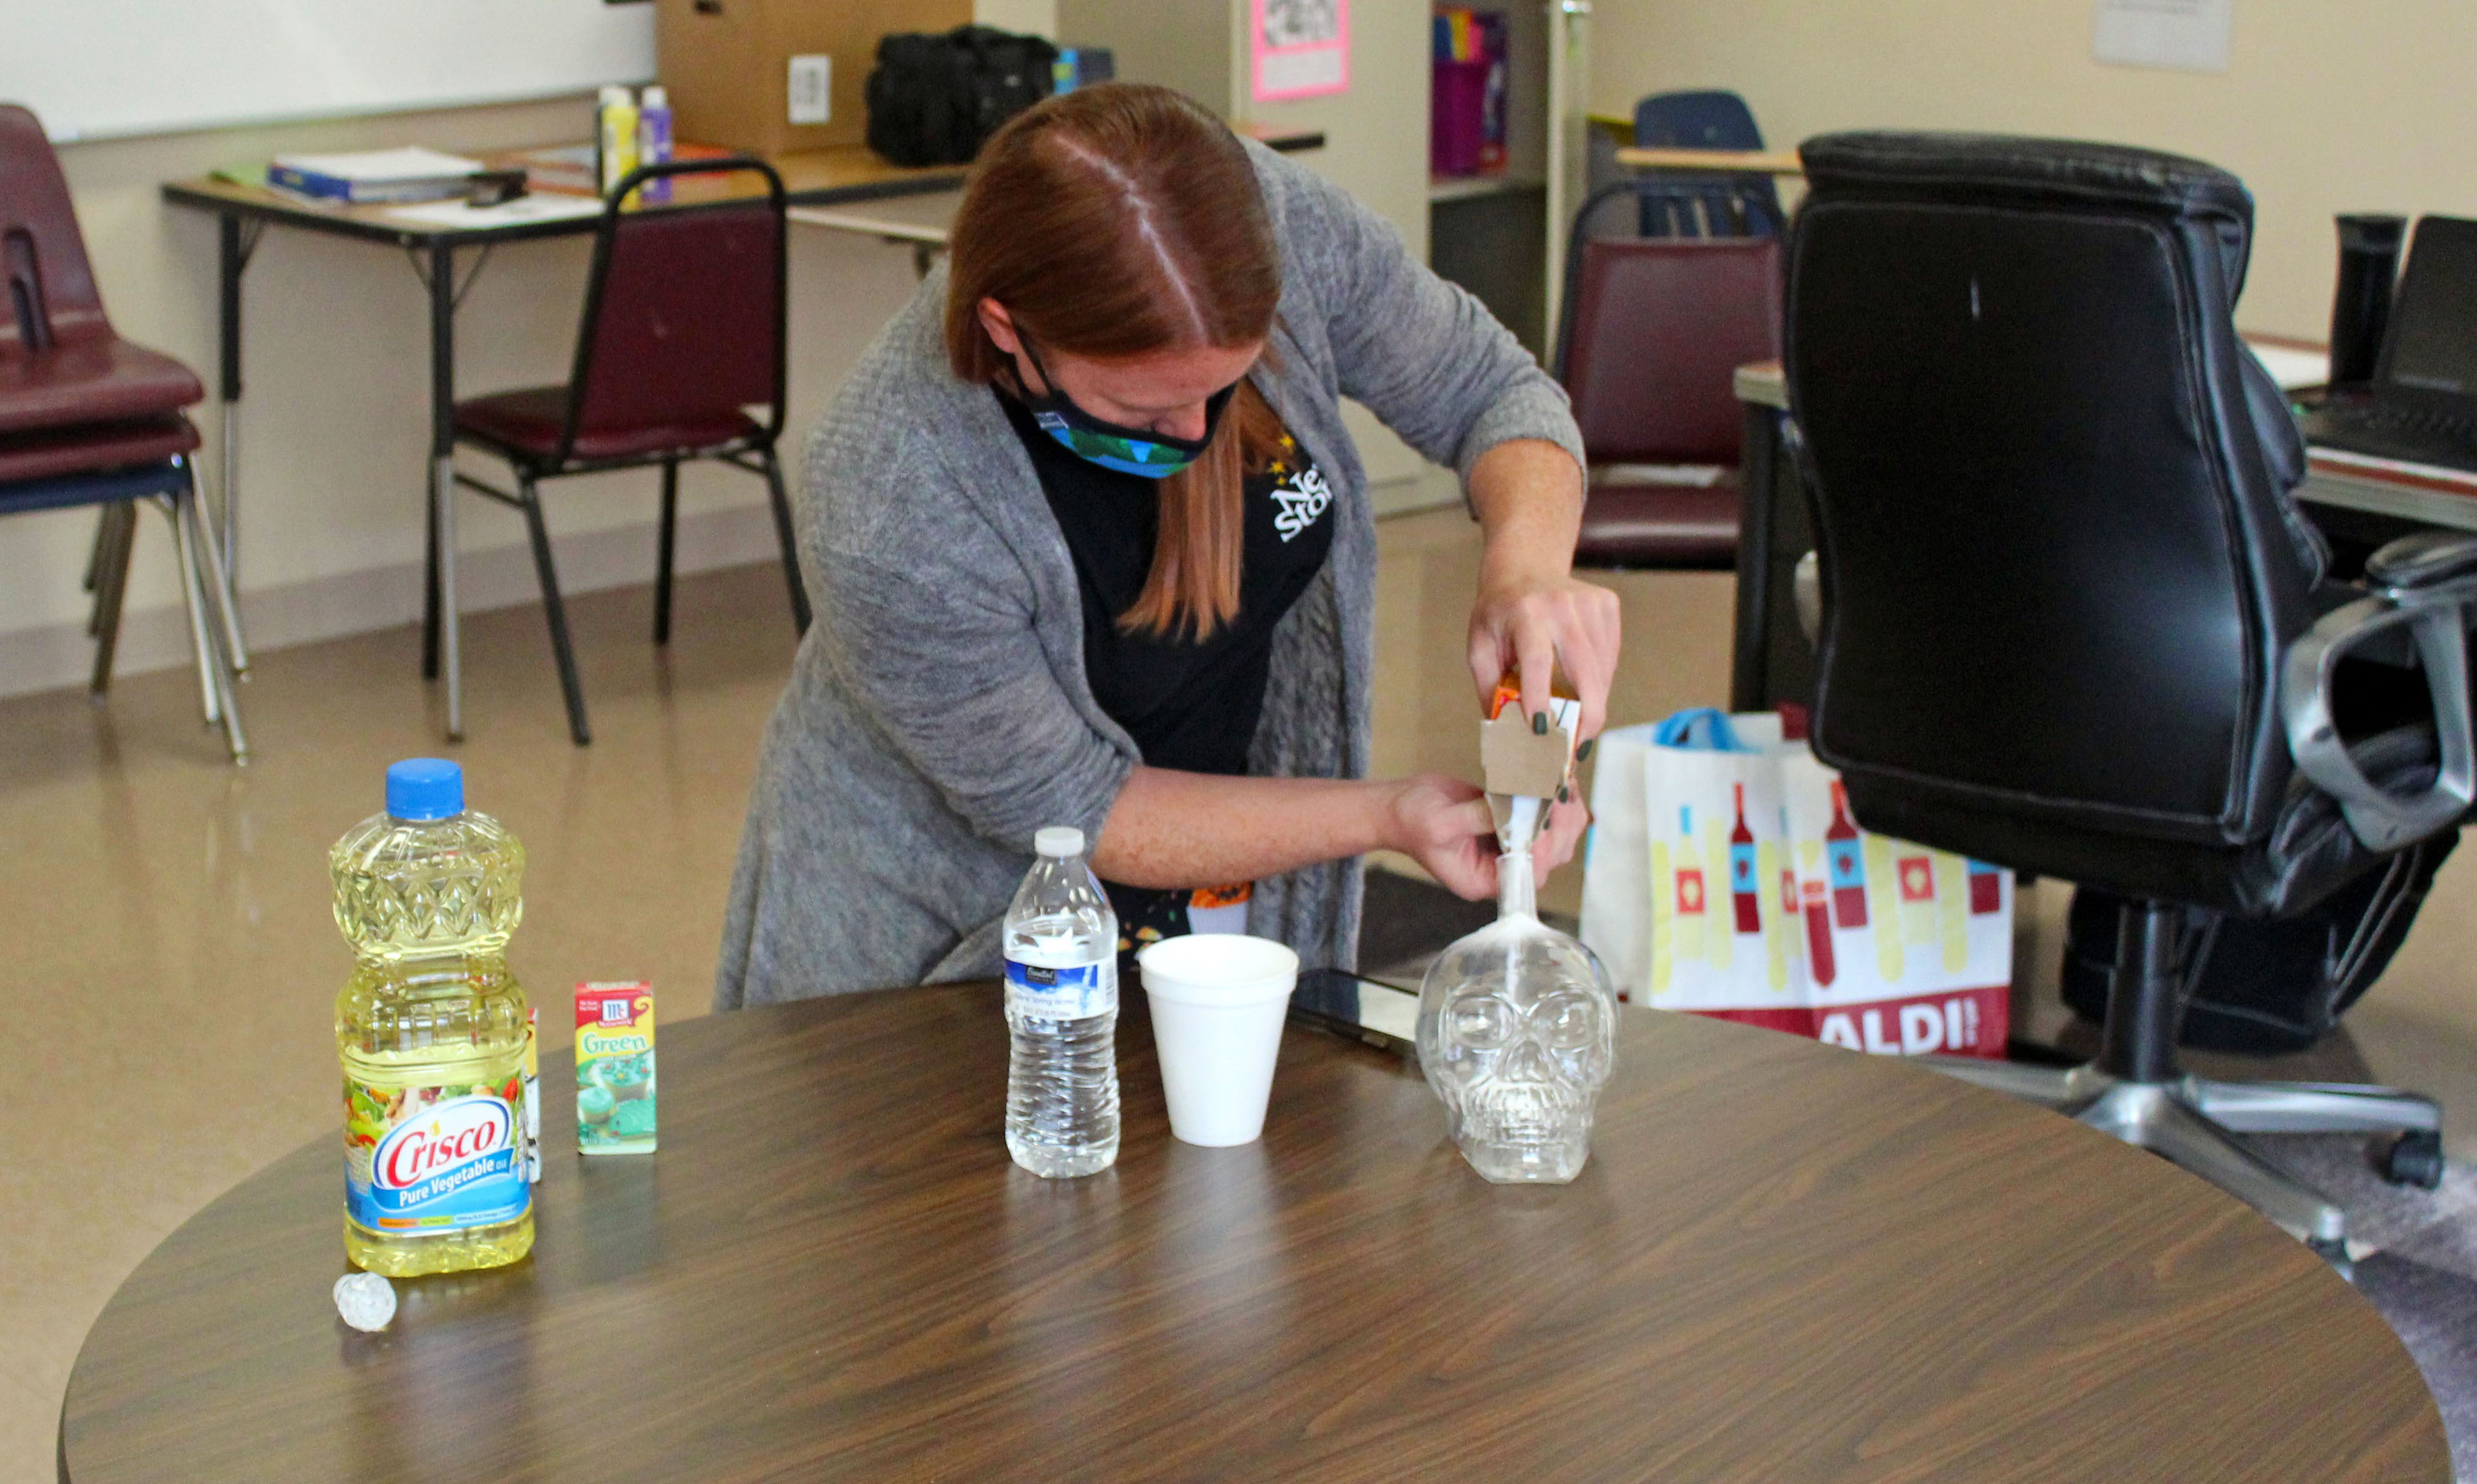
{"x": 1298, "y": 48}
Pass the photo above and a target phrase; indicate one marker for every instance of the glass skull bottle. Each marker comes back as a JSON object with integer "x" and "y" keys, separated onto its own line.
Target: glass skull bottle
{"x": 1518, "y": 1034}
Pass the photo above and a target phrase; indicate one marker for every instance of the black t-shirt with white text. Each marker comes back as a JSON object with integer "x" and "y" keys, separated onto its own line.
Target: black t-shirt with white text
{"x": 1188, "y": 704}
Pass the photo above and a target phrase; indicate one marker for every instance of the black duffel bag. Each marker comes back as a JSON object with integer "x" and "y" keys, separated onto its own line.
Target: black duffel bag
{"x": 2273, "y": 986}
{"x": 933, "y": 99}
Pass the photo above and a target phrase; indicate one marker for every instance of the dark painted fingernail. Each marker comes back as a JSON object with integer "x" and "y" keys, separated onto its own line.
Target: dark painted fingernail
{"x": 1582, "y": 753}
{"x": 1540, "y": 723}
{"x": 1562, "y": 794}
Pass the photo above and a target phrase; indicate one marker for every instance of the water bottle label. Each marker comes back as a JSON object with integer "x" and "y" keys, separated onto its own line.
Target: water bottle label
{"x": 422, "y": 1161}
{"x": 1061, "y": 993}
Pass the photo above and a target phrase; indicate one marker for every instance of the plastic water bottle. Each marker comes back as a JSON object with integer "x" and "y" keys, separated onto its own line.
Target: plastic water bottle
{"x": 1062, "y": 1005}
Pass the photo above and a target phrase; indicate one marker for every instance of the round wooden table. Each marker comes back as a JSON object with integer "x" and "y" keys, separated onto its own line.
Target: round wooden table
{"x": 1785, "y": 1261}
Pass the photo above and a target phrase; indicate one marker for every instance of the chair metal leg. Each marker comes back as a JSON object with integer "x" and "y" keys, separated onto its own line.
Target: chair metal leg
{"x": 98, "y": 557}
{"x": 789, "y": 543}
{"x": 219, "y": 588}
{"x": 2063, "y": 1088}
{"x": 202, "y": 644}
{"x": 446, "y": 620}
{"x": 216, "y": 595}
{"x": 2311, "y": 1107}
{"x": 214, "y": 681}
{"x": 430, "y": 583}
{"x": 114, "y": 539}
{"x": 2149, "y": 1115}
{"x": 95, "y": 553}
{"x": 555, "y": 611}
{"x": 663, "y": 551}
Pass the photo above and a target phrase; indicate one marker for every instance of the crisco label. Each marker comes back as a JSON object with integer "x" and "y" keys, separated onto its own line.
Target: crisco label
{"x": 421, "y": 1161}
{"x": 1045, "y": 994}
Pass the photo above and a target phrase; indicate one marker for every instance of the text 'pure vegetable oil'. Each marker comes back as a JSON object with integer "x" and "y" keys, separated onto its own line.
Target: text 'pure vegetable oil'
{"x": 432, "y": 1031}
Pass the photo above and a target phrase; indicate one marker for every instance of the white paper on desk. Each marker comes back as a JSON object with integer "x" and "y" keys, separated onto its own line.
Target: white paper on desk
{"x": 2189, "y": 36}
{"x": 507, "y": 213}
{"x": 2292, "y": 367}
{"x": 379, "y": 166}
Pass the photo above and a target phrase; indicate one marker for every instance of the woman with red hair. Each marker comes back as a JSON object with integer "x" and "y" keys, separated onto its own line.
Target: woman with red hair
{"x": 1091, "y": 547}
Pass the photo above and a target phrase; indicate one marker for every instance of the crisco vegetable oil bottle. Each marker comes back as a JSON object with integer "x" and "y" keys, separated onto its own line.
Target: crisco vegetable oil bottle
{"x": 430, "y": 1029}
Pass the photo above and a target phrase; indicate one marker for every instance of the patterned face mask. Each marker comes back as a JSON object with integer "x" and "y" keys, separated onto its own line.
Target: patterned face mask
{"x": 1127, "y": 450}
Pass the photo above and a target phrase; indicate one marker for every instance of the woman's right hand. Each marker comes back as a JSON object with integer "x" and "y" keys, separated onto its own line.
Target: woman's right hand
{"x": 1443, "y": 823}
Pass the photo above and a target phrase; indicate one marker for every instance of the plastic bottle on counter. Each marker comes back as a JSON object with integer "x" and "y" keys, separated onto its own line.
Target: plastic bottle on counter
{"x": 614, "y": 121}
{"x": 653, "y": 139}
{"x": 1062, "y": 1008}
{"x": 431, "y": 1032}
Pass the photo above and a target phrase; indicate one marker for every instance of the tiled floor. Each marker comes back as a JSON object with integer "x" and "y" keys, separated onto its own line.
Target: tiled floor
{"x": 172, "y": 967}
{"x": 170, "y": 964}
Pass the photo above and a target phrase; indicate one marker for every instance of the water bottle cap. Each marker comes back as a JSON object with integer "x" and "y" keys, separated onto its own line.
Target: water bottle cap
{"x": 1059, "y": 839}
{"x": 425, "y": 788}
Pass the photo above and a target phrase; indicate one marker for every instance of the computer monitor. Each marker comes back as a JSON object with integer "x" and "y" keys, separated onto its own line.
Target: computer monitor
{"x": 2433, "y": 341}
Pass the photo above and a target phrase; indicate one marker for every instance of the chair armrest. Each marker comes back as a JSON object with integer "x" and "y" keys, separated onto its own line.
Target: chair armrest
{"x": 1806, "y": 595}
{"x": 2422, "y": 561}
{"x": 2423, "y": 589}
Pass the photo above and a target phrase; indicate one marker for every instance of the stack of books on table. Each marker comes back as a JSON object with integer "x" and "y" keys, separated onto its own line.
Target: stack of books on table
{"x": 392, "y": 175}
{"x": 575, "y": 169}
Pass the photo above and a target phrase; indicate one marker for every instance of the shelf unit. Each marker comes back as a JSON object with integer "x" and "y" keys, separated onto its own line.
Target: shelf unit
{"x": 1502, "y": 236}
{"x": 1464, "y": 188}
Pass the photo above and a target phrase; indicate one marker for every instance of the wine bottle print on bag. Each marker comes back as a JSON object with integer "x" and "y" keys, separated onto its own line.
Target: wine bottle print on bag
{"x": 1952, "y": 909}
{"x": 1743, "y": 894}
{"x": 1688, "y": 894}
{"x": 1848, "y": 871}
{"x": 1718, "y": 939}
{"x": 1883, "y": 907}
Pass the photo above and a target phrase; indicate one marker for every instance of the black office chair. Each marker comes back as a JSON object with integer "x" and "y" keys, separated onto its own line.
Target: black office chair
{"x": 2072, "y": 621}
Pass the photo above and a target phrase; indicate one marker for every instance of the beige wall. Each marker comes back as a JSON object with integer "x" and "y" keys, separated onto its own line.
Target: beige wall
{"x": 1377, "y": 136}
{"x": 334, "y": 425}
{"x": 2325, "y": 107}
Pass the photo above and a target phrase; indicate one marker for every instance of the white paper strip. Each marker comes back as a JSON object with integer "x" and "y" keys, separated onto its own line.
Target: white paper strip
{"x": 2189, "y": 36}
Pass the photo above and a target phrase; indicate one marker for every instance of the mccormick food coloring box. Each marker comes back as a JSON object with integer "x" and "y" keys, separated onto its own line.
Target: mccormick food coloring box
{"x": 614, "y": 1068}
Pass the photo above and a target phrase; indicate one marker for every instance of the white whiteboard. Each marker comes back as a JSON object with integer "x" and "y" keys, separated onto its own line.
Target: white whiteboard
{"x": 91, "y": 68}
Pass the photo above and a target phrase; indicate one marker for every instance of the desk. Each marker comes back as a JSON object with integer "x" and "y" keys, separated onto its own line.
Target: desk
{"x": 1712, "y": 161}
{"x": 811, "y": 177}
{"x": 927, "y": 235}
{"x": 920, "y": 223}
{"x": 1784, "y": 1262}
{"x": 1771, "y": 660}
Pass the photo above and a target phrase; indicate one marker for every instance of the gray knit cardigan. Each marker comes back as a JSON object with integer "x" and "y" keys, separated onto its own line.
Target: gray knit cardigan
{"x": 937, "y": 711}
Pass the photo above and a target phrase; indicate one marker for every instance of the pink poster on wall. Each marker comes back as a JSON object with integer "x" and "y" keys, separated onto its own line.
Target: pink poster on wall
{"x": 1299, "y": 48}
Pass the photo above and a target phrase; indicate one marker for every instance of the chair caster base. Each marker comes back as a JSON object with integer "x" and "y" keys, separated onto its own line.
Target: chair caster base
{"x": 2415, "y": 1158}
{"x": 2190, "y": 1122}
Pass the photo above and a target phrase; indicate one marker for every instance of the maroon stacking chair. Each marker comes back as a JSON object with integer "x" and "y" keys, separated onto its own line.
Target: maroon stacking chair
{"x": 682, "y": 333}
{"x": 1654, "y": 330}
{"x": 89, "y": 418}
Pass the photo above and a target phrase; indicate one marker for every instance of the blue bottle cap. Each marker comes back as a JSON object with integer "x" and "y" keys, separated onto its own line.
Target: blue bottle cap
{"x": 425, "y": 788}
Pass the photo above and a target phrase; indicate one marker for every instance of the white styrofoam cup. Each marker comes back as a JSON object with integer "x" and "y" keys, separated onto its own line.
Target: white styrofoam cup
{"x": 1218, "y": 1001}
